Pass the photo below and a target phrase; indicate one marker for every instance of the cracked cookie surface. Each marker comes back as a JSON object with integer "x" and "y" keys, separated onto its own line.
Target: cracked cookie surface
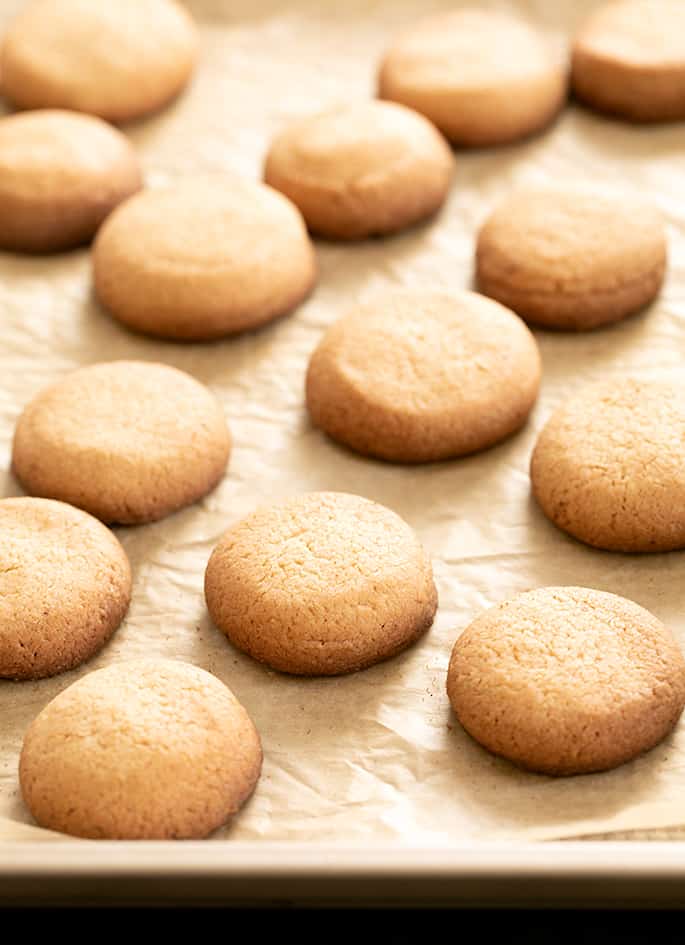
{"x": 65, "y": 586}
{"x": 128, "y": 441}
{"x": 567, "y": 680}
{"x": 321, "y": 584}
{"x": 361, "y": 170}
{"x": 422, "y": 376}
{"x": 571, "y": 259}
{"x": 609, "y": 466}
{"x": 206, "y": 257}
{"x": 142, "y": 750}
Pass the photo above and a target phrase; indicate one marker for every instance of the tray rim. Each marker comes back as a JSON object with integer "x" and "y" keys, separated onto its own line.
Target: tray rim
{"x": 587, "y": 873}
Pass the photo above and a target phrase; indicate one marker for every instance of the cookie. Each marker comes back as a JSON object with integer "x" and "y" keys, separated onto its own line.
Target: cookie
{"x": 362, "y": 170}
{"x": 609, "y": 466}
{"x": 128, "y": 441}
{"x": 142, "y": 750}
{"x": 117, "y": 60}
{"x": 414, "y": 377}
{"x": 567, "y": 680}
{"x": 628, "y": 60}
{"x": 61, "y": 173}
{"x": 207, "y": 257}
{"x": 571, "y": 258}
{"x": 321, "y": 584}
{"x": 482, "y": 77}
{"x": 65, "y": 586}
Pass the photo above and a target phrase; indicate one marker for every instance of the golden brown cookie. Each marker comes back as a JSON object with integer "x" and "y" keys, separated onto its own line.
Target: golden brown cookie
{"x": 128, "y": 441}
{"x": 119, "y": 60}
{"x": 567, "y": 680}
{"x": 209, "y": 256}
{"x": 629, "y": 60}
{"x": 65, "y": 586}
{"x": 571, "y": 258}
{"x": 482, "y": 77}
{"x": 322, "y": 584}
{"x": 414, "y": 377}
{"x": 61, "y": 173}
{"x": 142, "y": 750}
{"x": 361, "y": 170}
{"x": 609, "y": 466}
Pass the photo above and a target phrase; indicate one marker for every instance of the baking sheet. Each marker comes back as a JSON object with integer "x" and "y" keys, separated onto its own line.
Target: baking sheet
{"x": 375, "y": 757}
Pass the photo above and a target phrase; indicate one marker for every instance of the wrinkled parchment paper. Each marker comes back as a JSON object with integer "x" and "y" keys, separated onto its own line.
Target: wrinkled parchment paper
{"x": 377, "y": 756}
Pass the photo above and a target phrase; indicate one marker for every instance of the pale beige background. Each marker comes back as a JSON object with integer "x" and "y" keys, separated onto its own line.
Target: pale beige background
{"x": 375, "y": 757}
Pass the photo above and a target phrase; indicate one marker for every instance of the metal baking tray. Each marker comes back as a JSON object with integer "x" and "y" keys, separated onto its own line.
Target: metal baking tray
{"x": 338, "y": 35}
{"x": 585, "y": 873}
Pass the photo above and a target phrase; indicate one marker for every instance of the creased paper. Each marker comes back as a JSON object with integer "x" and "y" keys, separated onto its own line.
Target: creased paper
{"x": 374, "y": 757}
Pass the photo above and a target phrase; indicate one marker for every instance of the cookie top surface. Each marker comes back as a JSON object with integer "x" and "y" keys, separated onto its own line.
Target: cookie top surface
{"x": 61, "y": 173}
{"x": 321, "y": 584}
{"x": 420, "y": 376}
{"x": 65, "y": 586}
{"x": 116, "y": 60}
{"x": 453, "y": 66}
{"x": 208, "y": 256}
{"x": 354, "y": 170}
{"x": 572, "y": 257}
{"x": 350, "y": 144}
{"x": 567, "y": 680}
{"x": 147, "y": 749}
{"x": 609, "y": 466}
{"x": 54, "y": 154}
{"x": 640, "y": 33}
{"x": 468, "y": 48}
{"x": 629, "y": 60}
{"x": 128, "y": 441}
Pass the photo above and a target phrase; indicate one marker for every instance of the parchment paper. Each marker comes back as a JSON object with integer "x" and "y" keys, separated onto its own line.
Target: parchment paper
{"x": 375, "y": 757}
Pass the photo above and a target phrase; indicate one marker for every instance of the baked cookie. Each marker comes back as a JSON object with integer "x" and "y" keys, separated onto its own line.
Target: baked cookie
{"x": 414, "y": 377}
{"x": 571, "y": 258}
{"x": 361, "y": 170}
{"x": 61, "y": 173}
{"x": 322, "y": 584}
{"x": 210, "y": 256}
{"x": 482, "y": 77}
{"x": 567, "y": 680}
{"x": 629, "y": 60}
{"x": 128, "y": 441}
{"x": 609, "y": 466}
{"x": 117, "y": 60}
{"x": 143, "y": 750}
{"x": 65, "y": 586}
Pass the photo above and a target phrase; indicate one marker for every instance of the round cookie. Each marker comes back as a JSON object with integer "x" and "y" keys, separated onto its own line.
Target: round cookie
{"x": 61, "y": 173}
{"x": 415, "y": 377}
{"x": 117, "y": 60}
{"x": 321, "y": 584}
{"x": 482, "y": 77}
{"x": 629, "y": 60}
{"x": 208, "y": 257}
{"x": 361, "y": 170}
{"x": 128, "y": 441}
{"x": 571, "y": 258}
{"x": 609, "y": 466}
{"x": 143, "y": 750}
{"x": 567, "y": 680}
{"x": 65, "y": 586}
